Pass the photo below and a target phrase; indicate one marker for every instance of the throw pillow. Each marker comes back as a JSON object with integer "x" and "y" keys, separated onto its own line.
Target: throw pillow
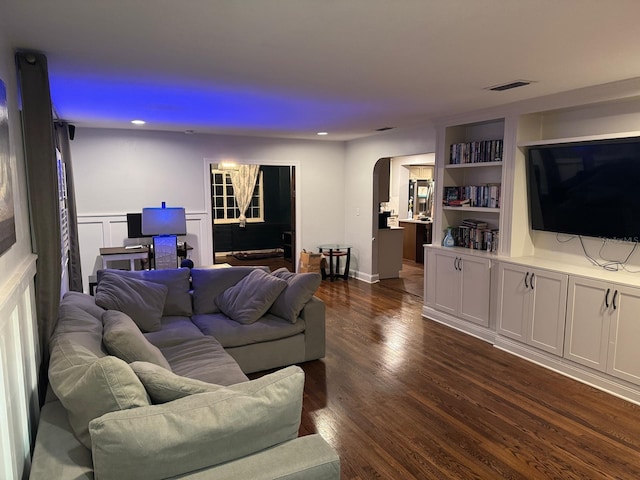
{"x": 198, "y": 431}
{"x": 178, "y": 301}
{"x": 164, "y": 386}
{"x": 251, "y": 297}
{"x": 143, "y": 301}
{"x": 123, "y": 339}
{"x": 89, "y": 389}
{"x": 300, "y": 288}
{"x": 208, "y": 283}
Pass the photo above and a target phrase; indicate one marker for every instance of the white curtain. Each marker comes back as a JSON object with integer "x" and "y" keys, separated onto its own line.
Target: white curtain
{"x": 244, "y": 181}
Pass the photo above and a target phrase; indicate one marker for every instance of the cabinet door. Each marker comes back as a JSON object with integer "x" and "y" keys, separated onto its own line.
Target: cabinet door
{"x": 587, "y": 330}
{"x": 513, "y": 301}
{"x": 547, "y": 310}
{"x": 624, "y": 353}
{"x": 475, "y": 285}
{"x": 444, "y": 281}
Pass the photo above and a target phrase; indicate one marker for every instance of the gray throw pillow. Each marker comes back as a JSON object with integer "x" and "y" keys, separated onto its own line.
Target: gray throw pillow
{"x": 251, "y": 297}
{"x": 300, "y": 289}
{"x": 198, "y": 431}
{"x": 164, "y": 386}
{"x": 123, "y": 339}
{"x": 208, "y": 283}
{"x": 143, "y": 301}
{"x": 178, "y": 301}
{"x": 88, "y": 387}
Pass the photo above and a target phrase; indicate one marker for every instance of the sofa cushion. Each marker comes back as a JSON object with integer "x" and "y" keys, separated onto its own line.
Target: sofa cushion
{"x": 178, "y": 301}
{"x": 208, "y": 283}
{"x": 233, "y": 334}
{"x": 214, "y": 428}
{"x": 300, "y": 288}
{"x": 202, "y": 358}
{"x": 143, "y": 301}
{"x": 123, "y": 338}
{"x": 89, "y": 386}
{"x": 83, "y": 301}
{"x": 251, "y": 297}
{"x": 165, "y": 386}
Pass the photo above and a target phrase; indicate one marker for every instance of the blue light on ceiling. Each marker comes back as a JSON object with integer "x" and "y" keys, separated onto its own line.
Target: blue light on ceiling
{"x": 100, "y": 99}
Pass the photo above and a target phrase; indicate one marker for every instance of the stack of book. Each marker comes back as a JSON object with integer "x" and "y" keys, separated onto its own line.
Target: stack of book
{"x": 476, "y": 152}
{"x": 476, "y": 234}
{"x": 473, "y": 196}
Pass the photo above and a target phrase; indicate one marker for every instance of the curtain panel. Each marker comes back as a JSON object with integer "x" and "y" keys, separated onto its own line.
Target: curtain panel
{"x": 42, "y": 183}
{"x": 244, "y": 181}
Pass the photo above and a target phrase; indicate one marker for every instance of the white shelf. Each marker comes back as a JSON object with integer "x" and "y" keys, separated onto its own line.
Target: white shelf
{"x": 472, "y": 209}
{"x": 586, "y": 138}
{"x": 473, "y": 165}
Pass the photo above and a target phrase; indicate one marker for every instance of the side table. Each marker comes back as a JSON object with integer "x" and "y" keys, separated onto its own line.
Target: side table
{"x": 336, "y": 250}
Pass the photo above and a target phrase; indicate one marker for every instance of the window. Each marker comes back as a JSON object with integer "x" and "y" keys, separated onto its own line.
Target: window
{"x": 223, "y": 202}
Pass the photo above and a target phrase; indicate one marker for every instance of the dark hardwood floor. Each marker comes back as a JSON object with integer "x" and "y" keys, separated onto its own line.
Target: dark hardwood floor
{"x": 402, "y": 397}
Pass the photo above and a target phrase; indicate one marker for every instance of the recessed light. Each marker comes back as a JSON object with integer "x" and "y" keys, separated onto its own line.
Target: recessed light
{"x": 322, "y": 133}
{"x": 138, "y": 122}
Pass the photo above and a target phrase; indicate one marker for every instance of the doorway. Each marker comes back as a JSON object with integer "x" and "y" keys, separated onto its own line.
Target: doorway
{"x": 410, "y": 206}
{"x": 269, "y": 236}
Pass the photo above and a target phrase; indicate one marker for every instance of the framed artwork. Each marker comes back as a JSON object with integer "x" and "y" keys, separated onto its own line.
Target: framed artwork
{"x": 7, "y": 219}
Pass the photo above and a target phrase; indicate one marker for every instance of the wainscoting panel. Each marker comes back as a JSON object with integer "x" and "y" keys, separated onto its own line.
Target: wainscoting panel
{"x": 19, "y": 364}
{"x": 97, "y": 231}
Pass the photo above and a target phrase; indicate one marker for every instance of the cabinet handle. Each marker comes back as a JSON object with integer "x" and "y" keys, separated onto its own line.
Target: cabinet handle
{"x": 526, "y": 277}
{"x": 460, "y": 264}
{"x": 606, "y": 298}
{"x": 455, "y": 263}
{"x": 613, "y": 300}
{"x": 531, "y": 282}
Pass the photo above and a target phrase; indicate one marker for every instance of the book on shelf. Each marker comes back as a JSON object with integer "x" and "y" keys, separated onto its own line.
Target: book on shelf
{"x": 476, "y": 152}
{"x": 487, "y": 196}
{"x": 476, "y": 234}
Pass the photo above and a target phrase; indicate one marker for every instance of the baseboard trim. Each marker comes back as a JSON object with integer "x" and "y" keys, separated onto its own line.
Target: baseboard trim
{"x": 478, "y": 331}
{"x": 599, "y": 380}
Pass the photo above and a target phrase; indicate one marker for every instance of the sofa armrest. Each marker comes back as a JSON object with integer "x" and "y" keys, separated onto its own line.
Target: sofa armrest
{"x": 313, "y": 315}
{"x": 57, "y": 452}
{"x": 304, "y": 458}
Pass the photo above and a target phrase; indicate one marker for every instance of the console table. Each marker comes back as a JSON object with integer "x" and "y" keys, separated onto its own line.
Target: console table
{"x": 111, "y": 254}
{"x": 336, "y": 250}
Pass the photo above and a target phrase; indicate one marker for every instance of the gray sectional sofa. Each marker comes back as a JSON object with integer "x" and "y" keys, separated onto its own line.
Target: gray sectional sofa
{"x": 148, "y": 378}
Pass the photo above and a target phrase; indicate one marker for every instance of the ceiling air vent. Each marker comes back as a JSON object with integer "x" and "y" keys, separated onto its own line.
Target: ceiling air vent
{"x": 509, "y": 86}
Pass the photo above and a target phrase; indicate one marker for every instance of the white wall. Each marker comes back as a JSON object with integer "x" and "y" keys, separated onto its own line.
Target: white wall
{"x": 360, "y": 213}
{"x": 19, "y": 352}
{"x": 120, "y": 171}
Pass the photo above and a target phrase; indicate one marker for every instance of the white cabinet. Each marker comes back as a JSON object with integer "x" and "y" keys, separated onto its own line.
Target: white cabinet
{"x": 531, "y": 306}
{"x": 459, "y": 285}
{"x": 603, "y": 325}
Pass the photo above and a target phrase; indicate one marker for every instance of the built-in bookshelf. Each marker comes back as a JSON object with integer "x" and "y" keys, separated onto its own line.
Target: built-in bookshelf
{"x": 471, "y": 160}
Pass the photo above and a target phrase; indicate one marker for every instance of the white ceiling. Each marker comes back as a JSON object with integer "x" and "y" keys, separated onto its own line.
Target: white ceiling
{"x": 291, "y": 68}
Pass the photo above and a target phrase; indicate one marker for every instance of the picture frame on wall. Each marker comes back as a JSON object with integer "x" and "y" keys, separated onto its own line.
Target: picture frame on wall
{"x": 7, "y": 219}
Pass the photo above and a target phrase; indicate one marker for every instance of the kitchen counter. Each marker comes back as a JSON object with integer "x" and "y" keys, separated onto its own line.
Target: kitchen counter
{"x": 416, "y": 234}
{"x": 390, "y": 252}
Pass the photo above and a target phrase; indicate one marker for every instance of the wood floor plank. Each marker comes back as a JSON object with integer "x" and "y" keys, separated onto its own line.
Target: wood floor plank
{"x": 402, "y": 397}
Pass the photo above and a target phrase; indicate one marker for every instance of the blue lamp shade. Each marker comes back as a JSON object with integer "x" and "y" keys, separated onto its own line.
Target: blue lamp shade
{"x": 164, "y": 221}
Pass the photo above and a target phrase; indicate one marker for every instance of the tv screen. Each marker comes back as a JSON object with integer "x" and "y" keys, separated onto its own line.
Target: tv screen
{"x": 589, "y": 188}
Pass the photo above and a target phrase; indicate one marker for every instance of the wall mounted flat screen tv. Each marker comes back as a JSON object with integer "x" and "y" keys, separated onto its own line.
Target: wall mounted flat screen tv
{"x": 587, "y": 188}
